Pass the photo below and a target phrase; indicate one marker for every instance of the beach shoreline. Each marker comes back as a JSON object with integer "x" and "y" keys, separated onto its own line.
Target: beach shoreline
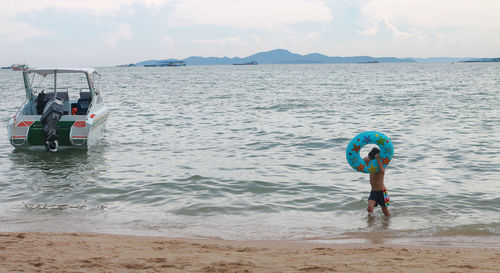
{"x": 87, "y": 252}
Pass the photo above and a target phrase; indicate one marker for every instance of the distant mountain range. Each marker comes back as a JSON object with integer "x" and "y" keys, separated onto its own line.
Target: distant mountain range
{"x": 484, "y": 60}
{"x": 282, "y": 56}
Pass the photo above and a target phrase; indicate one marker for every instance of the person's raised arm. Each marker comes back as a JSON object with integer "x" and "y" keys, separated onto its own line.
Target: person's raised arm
{"x": 380, "y": 165}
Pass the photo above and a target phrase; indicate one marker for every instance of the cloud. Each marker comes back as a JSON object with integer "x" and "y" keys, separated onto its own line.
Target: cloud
{"x": 12, "y": 15}
{"x": 15, "y": 8}
{"x": 256, "y": 39}
{"x": 15, "y": 31}
{"x": 229, "y": 41}
{"x": 236, "y": 46}
{"x": 315, "y": 35}
{"x": 383, "y": 27}
{"x": 444, "y": 27}
{"x": 250, "y": 42}
{"x": 167, "y": 40}
{"x": 248, "y": 13}
{"x": 121, "y": 31}
{"x": 482, "y": 14}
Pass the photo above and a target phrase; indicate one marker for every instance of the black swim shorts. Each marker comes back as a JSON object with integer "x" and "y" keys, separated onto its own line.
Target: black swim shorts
{"x": 380, "y": 197}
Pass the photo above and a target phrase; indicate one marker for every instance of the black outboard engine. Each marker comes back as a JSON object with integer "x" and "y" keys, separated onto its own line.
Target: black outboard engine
{"x": 41, "y": 102}
{"x": 52, "y": 113}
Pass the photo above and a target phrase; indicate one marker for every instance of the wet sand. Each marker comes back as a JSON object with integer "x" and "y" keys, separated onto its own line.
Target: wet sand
{"x": 76, "y": 252}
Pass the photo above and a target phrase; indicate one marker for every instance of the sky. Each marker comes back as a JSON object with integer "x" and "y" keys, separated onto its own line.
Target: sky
{"x": 112, "y": 32}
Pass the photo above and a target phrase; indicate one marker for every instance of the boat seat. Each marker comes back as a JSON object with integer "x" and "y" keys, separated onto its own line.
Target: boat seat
{"x": 85, "y": 95}
{"x": 63, "y": 95}
{"x": 82, "y": 106}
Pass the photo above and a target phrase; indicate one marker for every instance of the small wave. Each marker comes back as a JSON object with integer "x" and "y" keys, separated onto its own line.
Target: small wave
{"x": 58, "y": 207}
{"x": 205, "y": 209}
{"x": 263, "y": 145}
{"x": 474, "y": 229}
{"x": 283, "y": 107}
{"x": 192, "y": 178}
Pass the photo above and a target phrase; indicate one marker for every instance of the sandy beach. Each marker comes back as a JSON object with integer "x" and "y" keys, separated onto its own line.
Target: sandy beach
{"x": 75, "y": 252}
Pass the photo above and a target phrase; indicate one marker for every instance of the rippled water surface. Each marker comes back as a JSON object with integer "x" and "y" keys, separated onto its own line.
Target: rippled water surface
{"x": 258, "y": 152}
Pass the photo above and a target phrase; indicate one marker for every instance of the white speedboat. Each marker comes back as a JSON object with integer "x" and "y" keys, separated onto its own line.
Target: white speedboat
{"x": 63, "y": 108}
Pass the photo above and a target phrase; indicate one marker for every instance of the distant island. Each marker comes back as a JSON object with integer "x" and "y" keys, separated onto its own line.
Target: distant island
{"x": 247, "y": 63}
{"x": 484, "y": 60}
{"x": 283, "y": 56}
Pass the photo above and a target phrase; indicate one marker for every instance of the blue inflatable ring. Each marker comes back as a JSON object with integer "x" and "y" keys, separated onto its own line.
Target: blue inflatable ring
{"x": 383, "y": 142}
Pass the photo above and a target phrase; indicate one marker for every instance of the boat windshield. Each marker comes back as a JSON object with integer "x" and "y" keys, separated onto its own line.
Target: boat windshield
{"x": 69, "y": 86}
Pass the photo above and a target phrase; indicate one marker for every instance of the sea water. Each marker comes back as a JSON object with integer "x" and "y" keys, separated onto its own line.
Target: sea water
{"x": 258, "y": 153}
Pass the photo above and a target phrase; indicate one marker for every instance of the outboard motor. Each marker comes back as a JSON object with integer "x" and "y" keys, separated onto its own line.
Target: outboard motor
{"x": 52, "y": 113}
{"x": 41, "y": 102}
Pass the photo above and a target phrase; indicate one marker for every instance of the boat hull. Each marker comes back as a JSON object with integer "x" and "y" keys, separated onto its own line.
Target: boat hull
{"x": 25, "y": 131}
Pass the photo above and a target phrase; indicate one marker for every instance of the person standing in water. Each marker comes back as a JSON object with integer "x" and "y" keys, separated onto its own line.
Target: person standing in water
{"x": 378, "y": 194}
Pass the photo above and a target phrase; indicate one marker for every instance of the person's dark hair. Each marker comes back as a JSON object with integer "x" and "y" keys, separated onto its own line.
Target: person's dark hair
{"x": 373, "y": 152}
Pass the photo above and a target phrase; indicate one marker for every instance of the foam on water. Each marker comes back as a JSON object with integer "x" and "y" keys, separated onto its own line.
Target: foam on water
{"x": 258, "y": 152}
